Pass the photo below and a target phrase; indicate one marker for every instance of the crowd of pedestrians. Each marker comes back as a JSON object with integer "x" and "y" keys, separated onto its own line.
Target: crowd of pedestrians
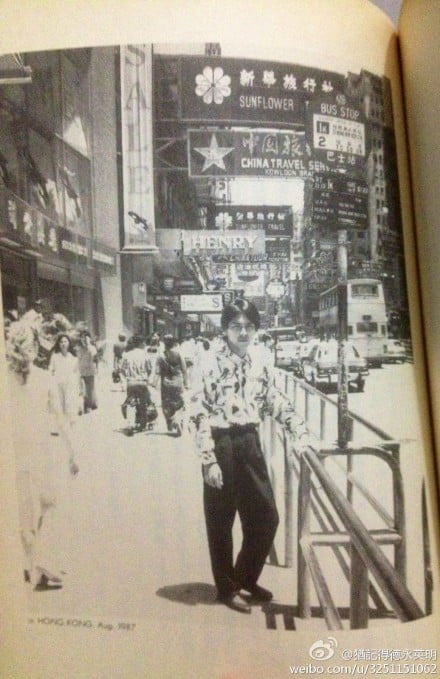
{"x": 218, "y": 390}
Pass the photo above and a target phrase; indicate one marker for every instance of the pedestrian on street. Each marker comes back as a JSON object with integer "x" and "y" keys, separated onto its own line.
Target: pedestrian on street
{"x": 188, "y": 349}
{"x": 237, "y": 389}
{"x": 171, "y": 369}
{"x": 87, "y": 361}
{"x": 137, "y": 369}
{"x": 66, "y": 384}
{"x": 45, "y": 466}
{"x": 118, "y": 349}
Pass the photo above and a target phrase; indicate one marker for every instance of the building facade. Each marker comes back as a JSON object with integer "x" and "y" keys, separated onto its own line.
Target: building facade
{"x": 59, "y": 221}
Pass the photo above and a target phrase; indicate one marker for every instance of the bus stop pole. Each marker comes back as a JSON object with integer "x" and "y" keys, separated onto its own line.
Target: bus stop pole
{"x": 343, "y": 419}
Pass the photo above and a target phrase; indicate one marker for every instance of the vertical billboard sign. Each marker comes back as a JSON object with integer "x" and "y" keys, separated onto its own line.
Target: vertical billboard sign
{"x": 137, "y": 145}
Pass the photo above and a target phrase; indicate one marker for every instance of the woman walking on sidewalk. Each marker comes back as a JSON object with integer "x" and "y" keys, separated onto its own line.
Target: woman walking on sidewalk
{"x": 66, "y": 385}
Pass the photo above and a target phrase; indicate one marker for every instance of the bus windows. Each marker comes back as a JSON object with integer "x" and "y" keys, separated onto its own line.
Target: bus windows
{"x": 364, "y": 290}
{"x": 366, "y": 326}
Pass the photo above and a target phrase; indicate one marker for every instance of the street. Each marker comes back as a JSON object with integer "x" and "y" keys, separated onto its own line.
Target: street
{"x": 136, "y": 532}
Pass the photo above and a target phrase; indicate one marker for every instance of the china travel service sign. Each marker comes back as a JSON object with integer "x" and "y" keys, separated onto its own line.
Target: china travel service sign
{"x": 252, "y": 153}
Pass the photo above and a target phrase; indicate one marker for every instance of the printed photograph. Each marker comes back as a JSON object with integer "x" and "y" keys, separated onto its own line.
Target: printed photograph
{"x": 208, "y": 342}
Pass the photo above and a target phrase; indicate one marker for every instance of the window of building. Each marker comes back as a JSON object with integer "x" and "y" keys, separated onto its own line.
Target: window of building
{"x": 76, "y": 119}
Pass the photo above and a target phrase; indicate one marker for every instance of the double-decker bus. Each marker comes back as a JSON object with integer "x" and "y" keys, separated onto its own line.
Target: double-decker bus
{"x": 366, "y": 317}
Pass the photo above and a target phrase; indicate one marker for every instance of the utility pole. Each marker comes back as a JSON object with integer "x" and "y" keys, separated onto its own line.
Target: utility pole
{"x": 344, "y": 424}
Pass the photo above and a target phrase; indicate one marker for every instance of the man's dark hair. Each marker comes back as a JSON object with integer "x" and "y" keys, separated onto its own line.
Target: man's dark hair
{"x": 137, "y": 341}
{"x": 169, "y": 341}
{"x": 240, "y": 306}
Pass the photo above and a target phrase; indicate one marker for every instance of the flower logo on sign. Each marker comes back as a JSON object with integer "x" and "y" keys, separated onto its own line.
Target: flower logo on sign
{"x": 213, "y": 85}
{"x": 224, "y": 220}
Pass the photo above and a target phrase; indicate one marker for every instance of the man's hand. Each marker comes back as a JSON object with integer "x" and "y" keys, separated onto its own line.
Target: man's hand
{"x": 213, "y": 476}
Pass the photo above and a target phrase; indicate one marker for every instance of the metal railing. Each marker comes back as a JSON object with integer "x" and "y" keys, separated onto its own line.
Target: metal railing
{"x": 326, "y": 514}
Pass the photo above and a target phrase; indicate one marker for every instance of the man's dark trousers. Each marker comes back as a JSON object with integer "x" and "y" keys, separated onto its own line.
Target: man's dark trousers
{"x": 246, "y": 490}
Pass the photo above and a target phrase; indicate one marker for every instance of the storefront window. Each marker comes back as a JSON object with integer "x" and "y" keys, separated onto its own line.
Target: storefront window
{"x": 58, "y": 294}
{"x": 83, "y": 309}
{"x": 16, "y": 282}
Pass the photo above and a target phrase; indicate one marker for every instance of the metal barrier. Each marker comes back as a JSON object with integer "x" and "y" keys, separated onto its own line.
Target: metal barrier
{"x": 358, "y": 551}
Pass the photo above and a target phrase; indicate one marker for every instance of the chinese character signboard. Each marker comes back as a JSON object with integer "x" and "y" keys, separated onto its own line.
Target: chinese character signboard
{"x": 245, "y": 90}
{"x": 340, "y": 202}
{"x": 278, "y": 249}
{"x": 275, "y": 220}
{"x": 251, "y": 153}
{"x": 137, "y": 145}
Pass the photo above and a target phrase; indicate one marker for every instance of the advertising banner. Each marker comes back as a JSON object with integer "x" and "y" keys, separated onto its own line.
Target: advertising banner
{"x": 278, "y": 249}
{"x": 275, "y": 220}
{"x": 226, "y": 243}
{"x": 245, "y": 90}
{"x": 251, "y": 153}
{"x": 137, "y": 145}
{"x": 205, "y": 304}
{"x": 227, "y": 259}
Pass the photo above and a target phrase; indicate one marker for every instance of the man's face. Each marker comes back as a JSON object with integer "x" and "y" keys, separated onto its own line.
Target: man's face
{"x": 240, "y": 334}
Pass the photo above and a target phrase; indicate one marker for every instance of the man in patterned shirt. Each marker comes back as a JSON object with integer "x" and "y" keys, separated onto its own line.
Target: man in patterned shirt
{"x": 236, "y": 391}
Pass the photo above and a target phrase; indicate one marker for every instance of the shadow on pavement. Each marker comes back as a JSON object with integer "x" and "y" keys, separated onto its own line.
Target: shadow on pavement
{"x": 189, "y": 593}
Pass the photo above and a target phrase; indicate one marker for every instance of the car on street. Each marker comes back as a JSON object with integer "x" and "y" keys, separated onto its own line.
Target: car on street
{"x": 394, "y": 351}
{"x": 285, "y": 351}
{"x": 320, "y": 367}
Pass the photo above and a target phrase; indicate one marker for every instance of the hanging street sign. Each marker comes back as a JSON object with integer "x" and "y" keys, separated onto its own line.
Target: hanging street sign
{"x": 251, "y": 153}
{"x": 337, "y": 133}
{"x": 339, "y": 202}
{"x": 275, "y": 220}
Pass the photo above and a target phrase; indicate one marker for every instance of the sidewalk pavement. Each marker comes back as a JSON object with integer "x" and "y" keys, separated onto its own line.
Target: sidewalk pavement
{"x": 136, "y": 533}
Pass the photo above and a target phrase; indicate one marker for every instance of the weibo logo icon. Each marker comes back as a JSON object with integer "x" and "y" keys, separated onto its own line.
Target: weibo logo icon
{"x": 323, "y": 650}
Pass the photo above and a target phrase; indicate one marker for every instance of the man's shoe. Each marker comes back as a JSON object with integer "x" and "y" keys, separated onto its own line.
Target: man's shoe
{"x": 258, "y": 593}
{"x": 235, "y": 602}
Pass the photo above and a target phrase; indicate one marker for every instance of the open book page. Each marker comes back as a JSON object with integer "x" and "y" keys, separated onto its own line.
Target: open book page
{"x": 163, "y": 162}
{"x": 420, "y": 35}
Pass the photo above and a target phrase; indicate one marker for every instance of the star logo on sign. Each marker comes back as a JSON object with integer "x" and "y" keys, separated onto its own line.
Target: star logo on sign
{"x": 214, "y": 154}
